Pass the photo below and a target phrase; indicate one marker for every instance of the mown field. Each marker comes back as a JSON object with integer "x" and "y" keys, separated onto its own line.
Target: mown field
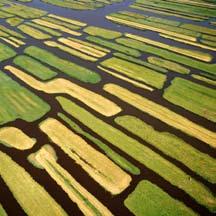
{"x": 108, "y": 117}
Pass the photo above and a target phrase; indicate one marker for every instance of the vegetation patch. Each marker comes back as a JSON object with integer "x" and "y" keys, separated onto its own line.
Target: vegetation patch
{"x": 26, "y": 190}
{"x": 153, "y": 26}
{"x": 178, "y": 6}
{"x": 168, "y": 12}
{"x": 187, "y": 52}
{"x": 204, "y": 79}
{"x": 24, "y": 11}
{"x": 114, "y": 46}
{"x": 168, "y": 65}
{"x": 148, "y": 199}
{"x": 197, "y": 44}
{"x": 81, "y": 4}
{"x": 97, "y": 165}
{"x": 102, "y": 32}
{"x": 6, "y": 52}
{"x": 61, "y": 23}
{"x": 16, "y": 40}
{"x": 92, "y": 45}
{"x": 56, "y": 26}
{"x": 209, "y": 43}
{"x": 162, "y": 113}
{"x": 117, "y": 158}
{"x": 16, "y": 102}
{"x": 193, "y": 97}
{"x": 46, "y": 158}
{"x": 85, "y": 47}
{"x": 140, "y": 62}
{"x": 12, "y": 43}
{"x": 2, "y": 211}
{"x": 16, "y": 138}
{"x": 45, "y": 29}
{"x": 34, "y": 67}
{"x": 35, "y": 33}
{"x": 171, "y": 145}
{"x": 93, "y": 100}
{"x": 142, "y": 154}
{"x": 135, "y": 71}
{"x": 123, "y": 77}
{"x": 5, "y": 15}
{"x": 11, "y": 32}
{"x": 67, "y": 67}
{"x": 210, "y": 68}
{"x": 71, "y": 51}
{"x": 71, "y": 21}
{"x": 200, "y": 29}
{"x": 14, "y": 21}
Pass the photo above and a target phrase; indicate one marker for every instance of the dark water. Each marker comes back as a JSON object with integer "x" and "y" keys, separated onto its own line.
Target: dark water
{"x": 115, "y": 203}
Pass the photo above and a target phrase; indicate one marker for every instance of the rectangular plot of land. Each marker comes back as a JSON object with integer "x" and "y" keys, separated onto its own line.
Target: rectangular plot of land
{"x": 16, "y": 102}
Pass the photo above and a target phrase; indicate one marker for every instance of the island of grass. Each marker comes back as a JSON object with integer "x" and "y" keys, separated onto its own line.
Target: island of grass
{"x": 169, "y": 55}
{"x": 142, "y": 153}
{"x": 2, "y": 211}
{"x": 24, "y": 11}
{"x": 81, "y": 4}
{"x": 96, "y": 101}
{"x": 72, "y": 69}
{"x": 15, "y": 138}
{"x": 26, "y": 190}
{"x": 135, "y": 71}
{"x": 97, "y": 165}
{"x": 46, "y": 159}
{"x": 162, "y": 113}
{"x": 102, "y": 32}
{"x": 6, "y": 52}
{"x": 16, "y": 102}
{"x": 34, "y": 67}
{"x": 171, "y": 145}
{"x": 193, "y": 97}
{"x": 150, "y": 200}
{"x": 117, "y": 158}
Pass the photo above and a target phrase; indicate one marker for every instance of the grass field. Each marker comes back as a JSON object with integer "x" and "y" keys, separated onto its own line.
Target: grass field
{"x": 147, "y": 197}
{"x": 194, "y": 97}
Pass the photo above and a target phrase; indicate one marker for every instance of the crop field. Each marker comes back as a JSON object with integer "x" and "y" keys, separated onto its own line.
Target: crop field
{"x": 107, "y": 107}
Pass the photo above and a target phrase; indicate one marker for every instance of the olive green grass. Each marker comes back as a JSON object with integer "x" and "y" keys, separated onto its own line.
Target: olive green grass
{"x": 71, "y": 69}
{"x": 209, "y": 68}
{"x": 142, "y": 154}
{"x": 172, "y": 66}
{"x": 34, "y": 67}
{"x": 111, "y": 45}
{"x": 31, "y": 196}
{"x": 46, "y": 159}
{"x": 162, "y": 113}
{"x": 135, "y": 71}
{"x": 33, "y": 32}
{"x": 16, "y": 102}
{"x": 23, "y": 11}
{"x": 194, "y": 97}
{"x": 171, "y": 145}
{"x": 45, "y": 29}
{"x": 140, "y": 62}
{"x": 150, "y": 200}
{"x": 6, "y": 52}
{"x": 102, "y": 32}
{"x": 117, "y": 158}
